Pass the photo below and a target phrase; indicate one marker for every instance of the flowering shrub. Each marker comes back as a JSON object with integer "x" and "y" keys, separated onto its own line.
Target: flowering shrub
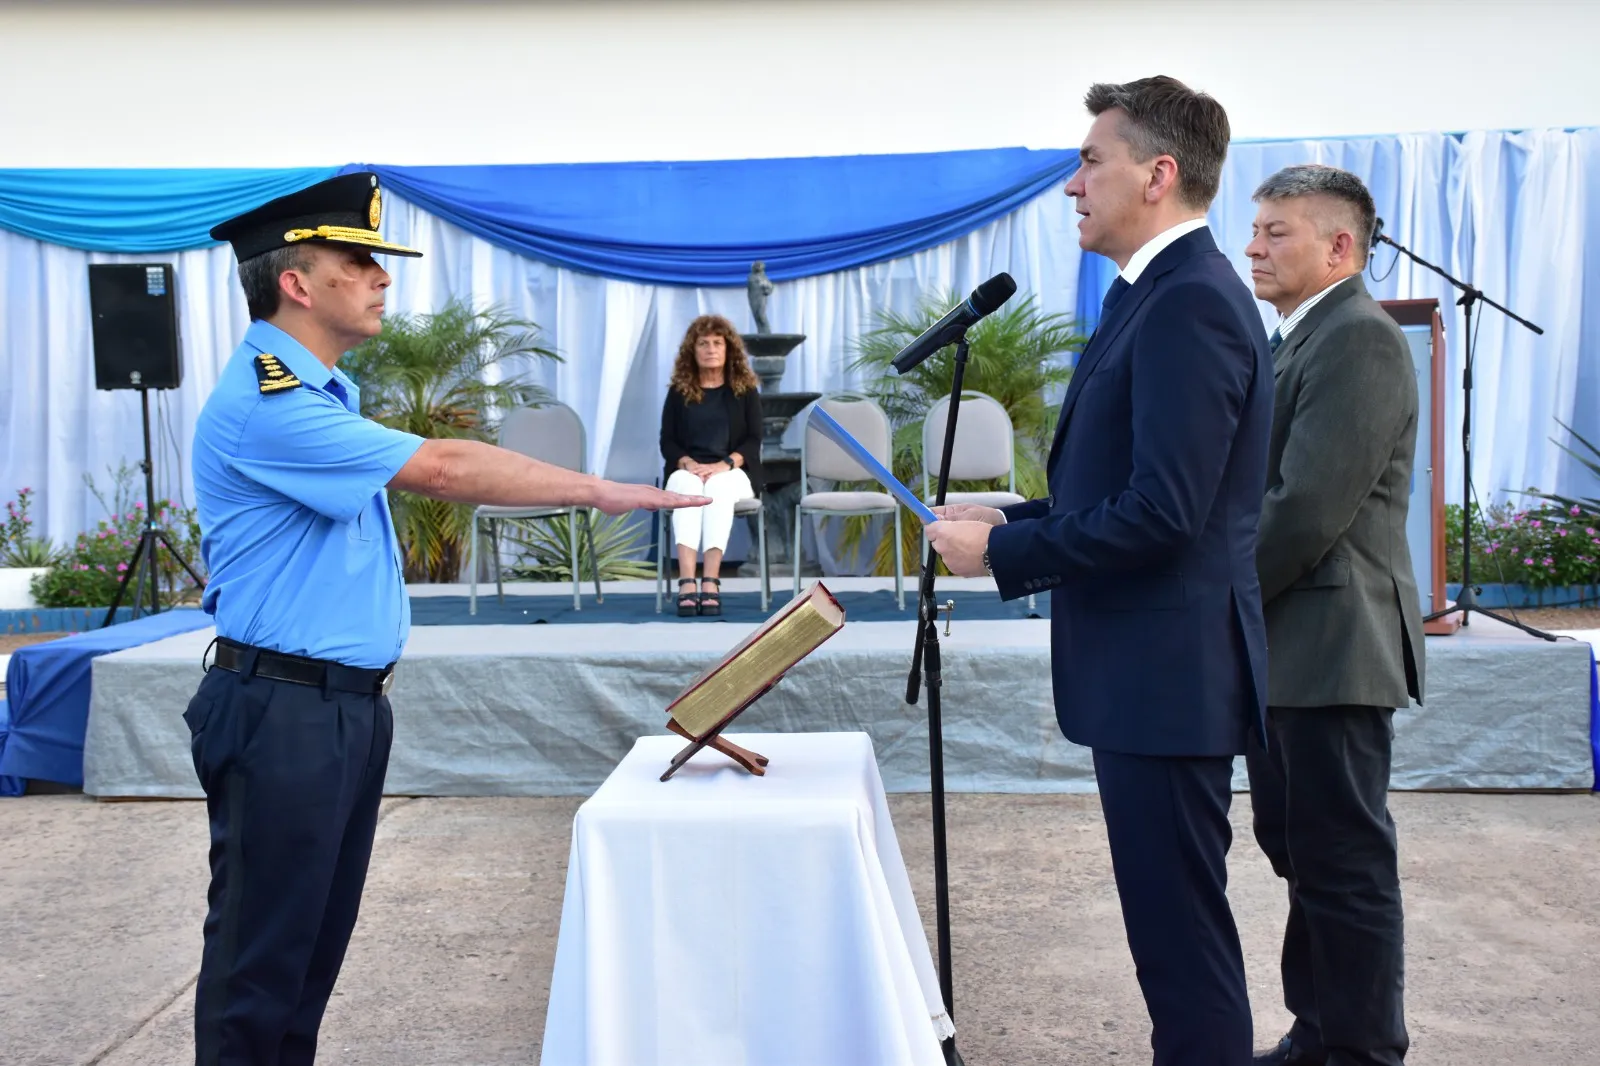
{"x": 91, "y": 570}
{"x": 18, "y": 545}
{"x": 1542, "y": 547}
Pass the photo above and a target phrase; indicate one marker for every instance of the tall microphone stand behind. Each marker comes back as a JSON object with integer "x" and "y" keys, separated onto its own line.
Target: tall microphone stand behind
{"x": 925, "y": 664}
{"x": 1467, "y": 599}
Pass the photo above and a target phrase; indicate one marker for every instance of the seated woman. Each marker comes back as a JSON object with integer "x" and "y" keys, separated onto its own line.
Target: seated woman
{"x": 711, "y": 441}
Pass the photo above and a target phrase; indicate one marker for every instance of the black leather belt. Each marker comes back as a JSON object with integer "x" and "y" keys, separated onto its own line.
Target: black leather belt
{"x": 317, "y": 673}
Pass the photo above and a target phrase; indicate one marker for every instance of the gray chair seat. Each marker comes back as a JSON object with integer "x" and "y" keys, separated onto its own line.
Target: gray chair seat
{"x": 980, "y": 499}
{"x": 496, "y": 511}
{"x": 851, "y": 502}
{"x": 750, "y": 506}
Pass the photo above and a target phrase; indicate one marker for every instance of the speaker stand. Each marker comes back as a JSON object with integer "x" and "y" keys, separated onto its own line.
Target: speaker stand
{"x": 143, "y": 561}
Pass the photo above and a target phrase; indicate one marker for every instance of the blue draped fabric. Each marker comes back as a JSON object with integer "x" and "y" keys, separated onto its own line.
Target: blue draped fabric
{"x": 703, "y": 223}
{"x": 698, "y": 223}
{"x": 138, "y": 210}
{"x": 49, "y": 686}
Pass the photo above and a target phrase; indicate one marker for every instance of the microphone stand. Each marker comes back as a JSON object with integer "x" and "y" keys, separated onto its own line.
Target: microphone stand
{"x": 925, "y": 664}
{"x": 1467, "y": 599}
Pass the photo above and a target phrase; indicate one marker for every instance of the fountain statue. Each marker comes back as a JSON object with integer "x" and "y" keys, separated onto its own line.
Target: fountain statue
{"x": 768, "y": 354}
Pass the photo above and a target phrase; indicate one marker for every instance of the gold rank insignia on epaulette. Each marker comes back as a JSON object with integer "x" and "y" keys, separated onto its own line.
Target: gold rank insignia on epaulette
{"x": 272, "y": 374}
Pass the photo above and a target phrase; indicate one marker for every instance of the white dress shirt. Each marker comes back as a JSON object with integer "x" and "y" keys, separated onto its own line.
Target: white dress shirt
{"x": 1154, "y": 246}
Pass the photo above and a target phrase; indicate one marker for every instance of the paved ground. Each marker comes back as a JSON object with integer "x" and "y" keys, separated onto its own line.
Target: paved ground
{"x": 450, "y": 965}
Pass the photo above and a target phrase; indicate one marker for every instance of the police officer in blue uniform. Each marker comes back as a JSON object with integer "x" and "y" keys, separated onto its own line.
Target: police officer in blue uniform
{"x": 291, "y": 725}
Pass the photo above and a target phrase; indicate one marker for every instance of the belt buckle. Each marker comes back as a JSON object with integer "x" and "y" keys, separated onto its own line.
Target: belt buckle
{"x": 386, "y": 682}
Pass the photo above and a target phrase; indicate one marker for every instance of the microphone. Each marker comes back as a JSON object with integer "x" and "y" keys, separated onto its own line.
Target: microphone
{"x": 984, "y": 299}
{"x": 1377, "y": 234}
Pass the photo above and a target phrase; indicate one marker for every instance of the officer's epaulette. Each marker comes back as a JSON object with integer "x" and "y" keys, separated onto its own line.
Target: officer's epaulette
{"x": 272, "y": 374}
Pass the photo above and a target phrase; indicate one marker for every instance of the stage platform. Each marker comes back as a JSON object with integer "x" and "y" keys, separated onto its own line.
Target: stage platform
{"x": 550, "y": 709}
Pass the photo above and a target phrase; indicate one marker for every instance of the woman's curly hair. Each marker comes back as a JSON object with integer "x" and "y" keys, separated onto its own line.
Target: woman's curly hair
{"x": 737, "y": 372}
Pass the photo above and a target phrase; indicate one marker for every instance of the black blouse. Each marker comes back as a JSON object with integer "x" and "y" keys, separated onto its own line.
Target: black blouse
{"x": 708, "y": 431}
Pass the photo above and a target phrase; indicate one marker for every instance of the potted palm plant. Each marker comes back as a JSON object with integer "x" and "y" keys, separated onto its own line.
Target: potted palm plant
{"x": 430, "y": 375}
{"x": 1018, "y": 355}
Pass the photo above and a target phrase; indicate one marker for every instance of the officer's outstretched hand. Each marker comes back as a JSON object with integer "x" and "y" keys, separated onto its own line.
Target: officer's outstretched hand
{"x": 616, "y": 497}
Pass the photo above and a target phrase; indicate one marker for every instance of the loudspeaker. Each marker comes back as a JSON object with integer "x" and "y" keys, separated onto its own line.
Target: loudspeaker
{"x": 135, "y": 314}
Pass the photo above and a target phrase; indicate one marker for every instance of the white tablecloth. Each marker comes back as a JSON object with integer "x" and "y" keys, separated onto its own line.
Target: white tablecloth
{"x": 722, "y": 919}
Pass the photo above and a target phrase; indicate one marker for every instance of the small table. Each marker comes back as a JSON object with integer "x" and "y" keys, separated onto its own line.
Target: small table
{"x": 718, "y": 918}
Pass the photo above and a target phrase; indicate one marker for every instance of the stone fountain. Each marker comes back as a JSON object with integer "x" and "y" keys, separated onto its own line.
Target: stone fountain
{"x": 768, "y": 353}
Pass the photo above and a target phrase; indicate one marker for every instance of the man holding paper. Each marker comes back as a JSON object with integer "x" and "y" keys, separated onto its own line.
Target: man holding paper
{"x": 1147, "y": 546}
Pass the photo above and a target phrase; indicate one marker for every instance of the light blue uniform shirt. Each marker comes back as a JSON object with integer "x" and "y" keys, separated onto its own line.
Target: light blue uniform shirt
{"x": 295, "y": 525}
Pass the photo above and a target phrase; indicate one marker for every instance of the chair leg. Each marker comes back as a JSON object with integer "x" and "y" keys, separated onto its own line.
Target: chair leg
{"x": 472, "y": 567}
{"x": 761, "y": 542}
{"x": 794, "y": 556}
{"x": 661, "y": 557}
{"x": 899, "y": 563}
{"x": 572, "y": 542}
{"x": 594, "y": 560}
{"x": 494, "y": 547}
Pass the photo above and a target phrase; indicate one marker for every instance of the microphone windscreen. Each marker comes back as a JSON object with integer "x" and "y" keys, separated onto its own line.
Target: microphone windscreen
{"x": 992, "y": 293}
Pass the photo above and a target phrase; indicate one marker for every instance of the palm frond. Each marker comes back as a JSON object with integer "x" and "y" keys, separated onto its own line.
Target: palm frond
{"x": 546, "y": 552}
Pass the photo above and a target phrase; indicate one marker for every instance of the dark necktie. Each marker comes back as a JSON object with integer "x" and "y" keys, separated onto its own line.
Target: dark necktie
{"x": 1275, "y": 340}
{"x": 1113, "y": 294}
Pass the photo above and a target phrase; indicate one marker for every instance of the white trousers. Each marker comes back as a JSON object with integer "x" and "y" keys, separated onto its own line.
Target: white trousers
{"x": 708, "y": 527}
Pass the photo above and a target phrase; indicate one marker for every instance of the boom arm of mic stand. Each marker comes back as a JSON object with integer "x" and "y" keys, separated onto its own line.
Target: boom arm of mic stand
{"x": 1469, "y": 292}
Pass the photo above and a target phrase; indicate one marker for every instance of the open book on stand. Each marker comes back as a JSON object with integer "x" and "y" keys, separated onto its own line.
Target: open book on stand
{"x": 722, "y": 691}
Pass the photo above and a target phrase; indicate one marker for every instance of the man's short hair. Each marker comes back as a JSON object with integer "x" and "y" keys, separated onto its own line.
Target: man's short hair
{"x": 1316, "y": 179}
{"x": 1163, "y": 116}
{"x": 259, "y": 274}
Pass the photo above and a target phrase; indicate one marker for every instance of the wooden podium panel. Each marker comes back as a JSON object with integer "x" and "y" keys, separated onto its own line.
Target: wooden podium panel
{"x": 1423, "y": 325}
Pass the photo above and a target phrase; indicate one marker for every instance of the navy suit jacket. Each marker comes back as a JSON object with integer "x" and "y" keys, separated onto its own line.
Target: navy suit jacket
{"x": 1147, "y": 543}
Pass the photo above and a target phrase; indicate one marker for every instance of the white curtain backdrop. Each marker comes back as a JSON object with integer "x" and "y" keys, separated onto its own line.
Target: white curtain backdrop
{"x": 618, "y": 339}
{"x": 1504, "y": 211}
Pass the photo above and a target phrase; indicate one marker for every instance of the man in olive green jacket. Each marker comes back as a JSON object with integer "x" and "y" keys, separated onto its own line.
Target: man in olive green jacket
{"x": 1344, "y": 620}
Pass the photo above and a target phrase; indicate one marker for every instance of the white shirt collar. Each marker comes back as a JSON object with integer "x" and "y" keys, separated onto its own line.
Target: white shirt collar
{"x": 1295, "y": 317}
{"x": 1155, "y": 245}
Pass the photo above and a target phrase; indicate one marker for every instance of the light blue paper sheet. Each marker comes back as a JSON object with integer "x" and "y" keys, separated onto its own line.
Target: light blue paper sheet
{"x": 831, "y": 429}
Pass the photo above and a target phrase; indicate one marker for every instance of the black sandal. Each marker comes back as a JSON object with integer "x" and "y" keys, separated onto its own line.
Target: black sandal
{"x": 688, "y": 602}
{"x": 715, "y": 606}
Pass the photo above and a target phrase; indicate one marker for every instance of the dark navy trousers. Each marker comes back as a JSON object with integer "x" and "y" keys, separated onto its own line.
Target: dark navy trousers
{"x": 293, "y": 776}
{"x": 1167, "y": 823}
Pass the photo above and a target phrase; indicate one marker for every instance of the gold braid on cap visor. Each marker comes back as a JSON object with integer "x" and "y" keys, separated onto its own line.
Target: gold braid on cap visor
{"x": 337, "y": 233}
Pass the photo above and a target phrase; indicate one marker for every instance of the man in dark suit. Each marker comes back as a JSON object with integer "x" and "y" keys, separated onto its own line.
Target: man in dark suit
{"x": 1147, "y": 546}
{"x": 1344, "y": 620}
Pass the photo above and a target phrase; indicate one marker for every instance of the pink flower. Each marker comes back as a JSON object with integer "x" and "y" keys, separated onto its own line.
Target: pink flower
{"x": 1561, "y": 532}
{"x": 83, "y": 566}
{"x": 1527, "y": 562}
{"x": 1589, "y": 530}
{"x": 120, "y": 567}
{"x": 138, "y": 507}
{"x": 1549, "y": 561}
{"x": 1574, "y": 512}
{"x": 1490, "y": 549}
{"x": 1536, "y": 523}
{"x": 26, "y": 491}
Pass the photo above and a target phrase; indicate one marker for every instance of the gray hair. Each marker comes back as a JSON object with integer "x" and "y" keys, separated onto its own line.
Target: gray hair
{"x": 1163, "y": 116}
{"x": 1315, "y": 179}
{"x": 259, "y": 274}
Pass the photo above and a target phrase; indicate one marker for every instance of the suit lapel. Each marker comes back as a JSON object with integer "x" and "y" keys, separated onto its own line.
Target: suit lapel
{"x": 1112, "y": 325}
{"x": 1346, "y": 290}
